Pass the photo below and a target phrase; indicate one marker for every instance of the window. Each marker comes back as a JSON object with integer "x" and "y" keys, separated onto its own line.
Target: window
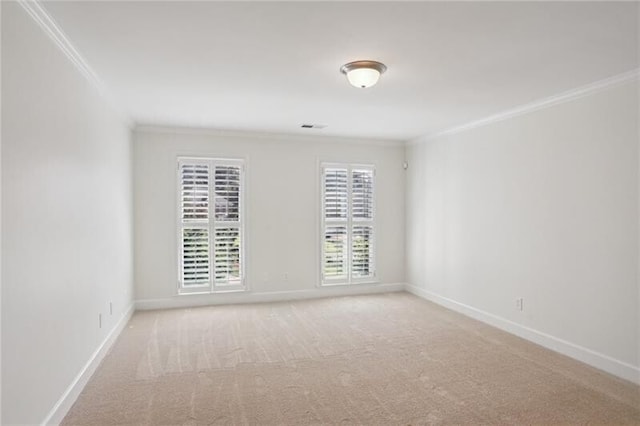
{"x": 210, "y": 216}
{"x": 348, "y": 223}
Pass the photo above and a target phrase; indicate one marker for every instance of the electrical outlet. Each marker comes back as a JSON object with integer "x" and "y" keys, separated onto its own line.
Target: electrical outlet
{"x": 99, "y": 320}
{"x": 110, "y": 308}
{"x": 520, "y": 304}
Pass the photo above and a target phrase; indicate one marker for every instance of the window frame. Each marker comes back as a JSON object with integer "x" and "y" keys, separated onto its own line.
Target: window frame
{"x": 212, "y": 224}
{"x": 349, "y": 223}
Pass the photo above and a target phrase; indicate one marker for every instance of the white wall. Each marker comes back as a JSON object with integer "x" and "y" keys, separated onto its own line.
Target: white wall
{"x": 66, "y": 220}
{"x": 543, "y": 206}
{"x": 282, "y": 200}
{"x": 0, "y": 217}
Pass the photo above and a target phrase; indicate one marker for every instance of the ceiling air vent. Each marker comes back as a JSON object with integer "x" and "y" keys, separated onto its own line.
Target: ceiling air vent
{"x": 313, "y": 126}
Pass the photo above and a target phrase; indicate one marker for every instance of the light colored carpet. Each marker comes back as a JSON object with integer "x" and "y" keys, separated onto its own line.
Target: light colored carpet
{"x": 379, "y": 359}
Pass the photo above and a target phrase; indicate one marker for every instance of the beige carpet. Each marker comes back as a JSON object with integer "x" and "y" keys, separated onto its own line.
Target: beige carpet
{"x": 380, "y": 359}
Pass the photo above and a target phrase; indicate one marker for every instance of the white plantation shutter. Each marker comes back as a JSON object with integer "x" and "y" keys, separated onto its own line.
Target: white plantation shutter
{"x": 335, "y": 245}
{"x": 362, "y": 228}
{"x": 195, "y": 256}
{"x": 348, "y": 227}
{"x": 211, "y": 229}
{"x": 335, "y": 252}
{"x": 335, "y": 193}
{"x": 194, "y": 192}
{"x": 227, "y": 193}
{"x": 362, "y": 194}
{"x": 228, "y": 233}
{"x": 194, "y": 208}
{"x": 227, "y": 256}
{"x": 362, "y": 251}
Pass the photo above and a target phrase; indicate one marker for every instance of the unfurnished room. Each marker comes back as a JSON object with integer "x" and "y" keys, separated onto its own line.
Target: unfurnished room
{"x": 320, "y": 212}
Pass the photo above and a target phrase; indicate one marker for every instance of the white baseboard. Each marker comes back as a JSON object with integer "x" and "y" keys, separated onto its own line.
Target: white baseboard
{"x": 56, "y": 415}
{"x": 193, "y": 300}
{"x": 588, "y": 356}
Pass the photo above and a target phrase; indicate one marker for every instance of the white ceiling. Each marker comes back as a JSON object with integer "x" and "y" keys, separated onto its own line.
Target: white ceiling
{"x": 269, "y": 67}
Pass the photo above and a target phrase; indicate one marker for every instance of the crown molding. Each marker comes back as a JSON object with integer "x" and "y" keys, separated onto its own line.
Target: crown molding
{"x": 55, "y": 33}
{"x": 49, "y": 26}
{"x": 563, "y": 97}
{"x": 272, "y": 136}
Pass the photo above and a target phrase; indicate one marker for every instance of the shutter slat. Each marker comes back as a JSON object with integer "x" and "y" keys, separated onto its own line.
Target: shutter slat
{"x": 227, "y": 193}
{"x": 362, "y": 194}
{"x": 335, "y": 252}
{"x": 335, "y": 193}
{"x": 194, "y": 192}
{"x": 195, "y": 256}
{"x": 227, "y": 256}
{"x": 362, "y": 251}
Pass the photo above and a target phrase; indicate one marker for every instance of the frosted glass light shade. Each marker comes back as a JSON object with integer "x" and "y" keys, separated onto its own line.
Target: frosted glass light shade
{"x": 363, "y": 74}
{"x": 363, "y": 77}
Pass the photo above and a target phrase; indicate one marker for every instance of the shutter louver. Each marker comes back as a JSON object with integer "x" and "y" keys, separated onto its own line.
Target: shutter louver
{"x": 227, "y": 193}
{"x": 362, "y": 194}
{"x": 194, "y": 181}
{"x": 227, "y": 237}
{"x": 335, "y": 194}
{"x": 335, "y": 252}
{"x": 195, "y": 256}
{"x": 195, "y": 192}
{"x": 362, "y": 251}
{"x": 227, "y": 256}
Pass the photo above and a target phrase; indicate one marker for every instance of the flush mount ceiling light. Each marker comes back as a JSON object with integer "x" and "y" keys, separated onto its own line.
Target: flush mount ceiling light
{"x": 363, "y": 74}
